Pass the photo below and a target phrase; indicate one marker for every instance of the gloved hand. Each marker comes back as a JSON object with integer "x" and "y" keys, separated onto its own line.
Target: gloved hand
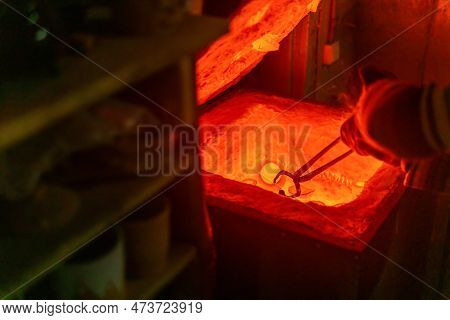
{"x": 351, "y": 136}
{"x": 353, "y": 128}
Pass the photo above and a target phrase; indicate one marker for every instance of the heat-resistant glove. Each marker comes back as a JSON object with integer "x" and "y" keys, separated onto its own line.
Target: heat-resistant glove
{"x": 351, "y": 131}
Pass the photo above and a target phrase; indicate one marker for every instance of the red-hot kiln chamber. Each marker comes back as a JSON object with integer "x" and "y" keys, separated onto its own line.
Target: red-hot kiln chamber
{"x": 346, "y": 202}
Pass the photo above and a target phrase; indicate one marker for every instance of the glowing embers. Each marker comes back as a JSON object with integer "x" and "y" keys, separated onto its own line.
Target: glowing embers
{"x": 257, "y": 28}
{"x": 248, "y": 131}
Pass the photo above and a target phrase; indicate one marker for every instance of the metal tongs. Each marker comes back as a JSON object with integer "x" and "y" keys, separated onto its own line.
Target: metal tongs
{"x": 301, "y": 176}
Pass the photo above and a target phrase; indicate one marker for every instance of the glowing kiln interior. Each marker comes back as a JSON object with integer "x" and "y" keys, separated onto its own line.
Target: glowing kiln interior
{"x": 348, "y": 201}
{"x": 288, "y": 139}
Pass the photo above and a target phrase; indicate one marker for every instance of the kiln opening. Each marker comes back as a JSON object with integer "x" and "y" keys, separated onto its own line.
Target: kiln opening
{"x": 244, "y": 129}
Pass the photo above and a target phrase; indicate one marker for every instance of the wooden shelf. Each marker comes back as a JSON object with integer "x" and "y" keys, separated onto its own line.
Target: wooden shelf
{"x": 180, "y": 257}
{"x": 27, "y": 256}
{"x": 28, "y": 107}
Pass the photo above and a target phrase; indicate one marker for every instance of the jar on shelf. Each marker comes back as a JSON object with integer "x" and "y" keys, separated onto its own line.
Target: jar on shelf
{"x": 147, "y": 239}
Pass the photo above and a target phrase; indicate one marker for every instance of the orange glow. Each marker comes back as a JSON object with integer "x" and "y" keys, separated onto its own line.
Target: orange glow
{"x": 256, "y": 29}
{"x": 351, "y": 199}
{"x": 243, "y": 158}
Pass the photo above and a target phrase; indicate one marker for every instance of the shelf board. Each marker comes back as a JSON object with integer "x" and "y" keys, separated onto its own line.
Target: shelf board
{"x": 26, "y": 107}
{"x": 180, "y": 257}
{"x": 26, "y": 257}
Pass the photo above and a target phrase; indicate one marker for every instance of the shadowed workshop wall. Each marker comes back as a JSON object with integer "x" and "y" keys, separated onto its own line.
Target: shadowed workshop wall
{"x": 419, "y": 55}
